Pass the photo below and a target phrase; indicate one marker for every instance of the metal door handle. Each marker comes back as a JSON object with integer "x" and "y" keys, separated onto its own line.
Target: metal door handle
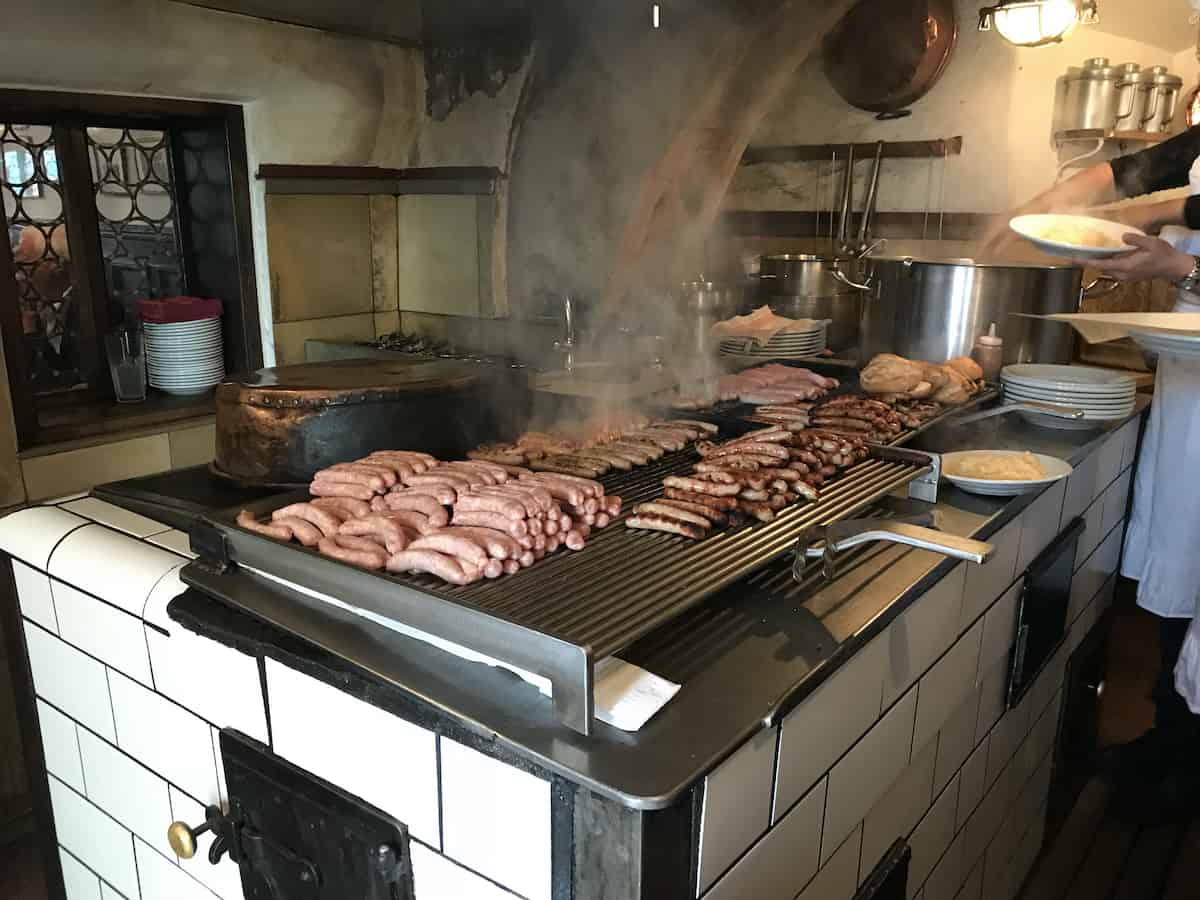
{"x": 182, "y": 837}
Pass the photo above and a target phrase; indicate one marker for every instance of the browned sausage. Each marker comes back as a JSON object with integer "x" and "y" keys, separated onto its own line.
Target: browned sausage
{"x": 304, "y": 531}
{"x": 721, "y": 503}
{"x": 340, "y": 489}
{"x": 322, "y": 518}
{"x": 383, "y": 527}
{"x": 697, "y": 486}
{"x": 612, "y": 506}
{"x": 665, "y": 523}
{"x": 422, "y": 503}
{"x": 274, "y": 530}
{"x": 349, "y": 505}
{"x": 516, "y": 527}
{"x": 561, "y": 465}
{"x": 714, "y": 516}
{"x": 674, "y": 512}
{"x": 456, "y": 545}
{"x": 356, "y": 551}
{"x": 444, "y": 567}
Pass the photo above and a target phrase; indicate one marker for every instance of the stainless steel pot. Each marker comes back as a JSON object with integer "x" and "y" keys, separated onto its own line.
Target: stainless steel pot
{"x": 1164, "y": 94}
{"x": 1091, "y": 98}
{"x": 934, "y": 309}
{"x": 804, "y": 286}
{"x": 701, "y": 305}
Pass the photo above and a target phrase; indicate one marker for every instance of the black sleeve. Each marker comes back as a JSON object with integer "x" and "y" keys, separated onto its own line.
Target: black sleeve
{"x": 1157, "y": 168}
{"x": 1191, "y": 212}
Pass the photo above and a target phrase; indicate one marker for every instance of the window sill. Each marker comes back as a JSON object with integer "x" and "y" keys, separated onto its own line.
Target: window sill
{"x": 90, "y": 424}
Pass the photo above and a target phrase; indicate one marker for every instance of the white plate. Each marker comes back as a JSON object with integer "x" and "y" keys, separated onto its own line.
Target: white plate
{"x": 1087, "y": 423}
{"x": 1033, "y": 227}
{"x": 167, "y": 327}
{"x": 185, "y": 391}
{"x": 1056, "y": 469}
{"x": 1182, "y": 345}
{"x": 199, "y": 383}
{"x": 1065, "y": 377}
{"x": 217, "y": 372}
{"x": 1063, "y": 400}
{"x": 1126, "y": 390}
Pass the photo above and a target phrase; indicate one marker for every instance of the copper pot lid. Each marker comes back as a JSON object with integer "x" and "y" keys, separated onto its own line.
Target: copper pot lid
{"x": 346, "y": 382}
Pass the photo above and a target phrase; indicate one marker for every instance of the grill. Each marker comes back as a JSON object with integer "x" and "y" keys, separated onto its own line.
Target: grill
{"x": 571, "y": 609}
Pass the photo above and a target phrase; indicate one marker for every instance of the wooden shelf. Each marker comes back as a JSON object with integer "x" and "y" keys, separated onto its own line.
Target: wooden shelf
{"x": 781, "y": 153}
{"x": 1085, "y": 135}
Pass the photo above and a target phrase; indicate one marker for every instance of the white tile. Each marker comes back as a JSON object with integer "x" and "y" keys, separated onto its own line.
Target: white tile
{"x": 1000, "y": 628}
{"x": 1096, "y": 570}
{"x": 31, "y": 534}
{"x": 437, "y": 878}
{"x": 737, "y": 805}
{"x": 164, "y": 737}
{"x": 127, "y": 791}
{"x": 922, "y": 633}
{"x": 163, "y": 880}
{"x": 1116, "y": 499}
{"x": 897, "y": 812}
{"x": 1108, "y": 460}
{"x": 66, "y": 498}
{"x": 1082, "y": 489}
{"x": 971, "y": 785}
{"x": 972, "y": 888}
{"x": 945, "y": 686}
{"x": 863, "y": 774}
{"x": 73, "y": 682}
{"x": 60, "y": 746}
{"x": 318, "y": 728}
{"x": 987, "y": 582}
{"x": 781, "y": 863}
{"x": 838, "y": 879}
{"x": 818, "y": 731}
{"x": 497, "y": 820}
{"x": 1008, "y": 734}
{"x": 165, "y": 590}
{"x": 983, "y": 824}
{"x": 175, "y": 541}
{"x": 993, "y": 697}
{"x": 1049, "y": 680}
{"x": 80, "y": 882}
{"x": 222, "y": 787}
{"x": 33, "y": 595}
{"x": 99, "y": 842}
{"x": 1093, "y": 532}
{"x": 111, "y": 635}
{"x": 115, "y": 517}
{"x": 223, "y": 879}
{"x": 955, "y": 741}
{"x": 931, "y": 838}
{"x": 107, "y": 893}
{"x": 1039, "y": 523}
{"x": 130, "y": 571}
{"x": 1040, "y": 741}
{"x": 948, "y": 874}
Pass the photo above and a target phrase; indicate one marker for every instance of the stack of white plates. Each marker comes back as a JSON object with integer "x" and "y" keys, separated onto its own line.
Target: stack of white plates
{"x": 784, "y": 345}
{"x": 1173, "y": 343}
{"x": 185, "y": 357}
{"x": 1102, "y": 395}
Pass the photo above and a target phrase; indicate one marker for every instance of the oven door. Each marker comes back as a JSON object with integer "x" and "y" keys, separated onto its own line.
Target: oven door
{"x": 296, "y": 837}
{"x": 1042, "y": 614}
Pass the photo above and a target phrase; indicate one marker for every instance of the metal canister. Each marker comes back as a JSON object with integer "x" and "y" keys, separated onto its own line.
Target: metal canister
{"x": 701, "y": 305}
{"x": 1131, "y": 101}
{"x": 1164, "y": 94}
{"x": 1090, "y": 96}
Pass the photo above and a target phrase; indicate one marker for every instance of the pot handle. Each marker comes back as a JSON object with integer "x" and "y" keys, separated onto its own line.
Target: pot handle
{"x": 1088, "y": 290}
{"x": 846, "y": 280}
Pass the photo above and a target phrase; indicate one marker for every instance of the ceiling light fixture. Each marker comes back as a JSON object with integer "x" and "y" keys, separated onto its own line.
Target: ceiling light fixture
{"x": 1036, "y": 23}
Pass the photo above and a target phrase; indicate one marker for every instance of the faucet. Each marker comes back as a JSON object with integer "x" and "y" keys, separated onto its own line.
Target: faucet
{"x": 566, "y": 346}
{"x": 829, "y": 542}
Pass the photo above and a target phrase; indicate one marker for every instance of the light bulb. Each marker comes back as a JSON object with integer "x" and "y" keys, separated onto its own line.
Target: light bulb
{"x": 1035, "y": 24}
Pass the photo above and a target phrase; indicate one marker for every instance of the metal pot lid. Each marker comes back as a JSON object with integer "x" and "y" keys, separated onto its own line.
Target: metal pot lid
{"x": 805, "y": 257}
{"x": 967, "y": 261}
{"x": 885, "y": 55}
{"x": 346, "y": 382}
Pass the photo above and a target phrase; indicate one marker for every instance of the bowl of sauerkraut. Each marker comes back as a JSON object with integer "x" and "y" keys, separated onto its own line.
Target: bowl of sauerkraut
{"x": 1074, "y": 237}
{"x": 1002, "y": 473}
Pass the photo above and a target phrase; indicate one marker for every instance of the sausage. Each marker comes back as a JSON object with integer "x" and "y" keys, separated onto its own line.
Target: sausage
{"x": 680, "y": 435}
{"x": 716, "y": 517}
{"x": 302, "y": 530}
{"x": 725, "y": 504}
{"x": 491, "y": 470}
{"x": 247, "y": 520}
{"x": 322, "y": 518}
{"x": 497, "y": 544}
{"x": 703, "y": 427}
{"x": 588, "y": 485}
{"x": 788, "y": 475}
{"x": 759, "y": 510}
{"x": 526, "y": 501}
{"x": 457, "y": 545}
{"x": 540, "y": 494}
{"x": 584, "y": 530}
{"x": 440, "y": 478}
{"x": 422, "y": 503}
{"x": 550, "y": 528}
{"x": 659, "y": 438}
{"x": 683, "y": 515}
{"x": 442, "y": 493}
{"x": 417, "y": 521}
{"x": 753, "y": 494}
{"x": 514, "y": 471}
{"x": 564, "y": 523}
{"x": 526, "y": 559}
{"x": 574, "y": 540}
{"x": 843, "y": 423}
{"x": 717, "y": 475}
{"x": 554, "y": 542}
{"x": 647, "y": 449}
{"x": 563, "y": 465}
{"x": 602, "y": 520}
{"x": 348, "y": 505}
{"x": 385, "y": 528}
{"x": 340, "y": 489}
{"x": 355, "y": 551}
{"x": 417, "y": 463}
{"x": 665, "y": 523}
{"x": 612, "y": 505}
{"x": 511, "y": 567}
{"x": 700, "y": 487}
{"x": 613, "y": 458}
{"x": 350, "y": 476}
{"x": 490, "y": 503}
{"x": 473, "y": 471}
{"x": 724, "y": 463}
{"x": 493, "y": 569}
{"x": 516, "y": 527}
{"x": 636, "y": 455}
{"x": 444, "y": 567}
{"x": 539, "y": 543}
{"x": 756, "y": 448}
{"x": 559, "y": 490}
{"x": 375, "y": 469}
{"x": 807, "y": 491}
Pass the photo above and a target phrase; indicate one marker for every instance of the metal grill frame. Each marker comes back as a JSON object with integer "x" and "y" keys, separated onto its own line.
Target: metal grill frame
{"x": 559, "y": 617}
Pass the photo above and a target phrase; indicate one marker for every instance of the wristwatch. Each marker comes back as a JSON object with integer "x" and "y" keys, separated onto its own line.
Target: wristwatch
{"x": 1191, "y": 281}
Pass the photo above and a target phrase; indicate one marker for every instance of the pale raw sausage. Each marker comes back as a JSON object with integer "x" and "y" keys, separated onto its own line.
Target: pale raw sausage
{"x": 348, "y": 505}
{"x": 340, "y": 489}
{"x": 444, "y": 567}
{"x": 304, "y": 531}
{"x": 322, "y": 518}
{"x": 356, "y": 551}
{"x": 386, "y": 529}
{"x": 274, "y": 530}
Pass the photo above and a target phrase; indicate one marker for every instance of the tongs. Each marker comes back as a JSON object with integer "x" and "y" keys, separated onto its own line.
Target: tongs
{"x": 1049, "y": 409}
{"x": 914, "y": 529}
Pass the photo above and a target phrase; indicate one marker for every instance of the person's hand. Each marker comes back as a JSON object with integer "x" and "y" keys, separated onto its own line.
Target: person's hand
{"x": 1150, "y": 257}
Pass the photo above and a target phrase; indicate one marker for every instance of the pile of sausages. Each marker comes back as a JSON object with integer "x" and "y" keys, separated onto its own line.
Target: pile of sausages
{"x": 872, "y": 419}
{"x": 408, "y": 512}
{"x": 748, "y": 478}
{"x": 775, "y": 383}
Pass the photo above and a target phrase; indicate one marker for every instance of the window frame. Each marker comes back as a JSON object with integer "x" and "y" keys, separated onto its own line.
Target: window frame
{"x": 69, "y": 114}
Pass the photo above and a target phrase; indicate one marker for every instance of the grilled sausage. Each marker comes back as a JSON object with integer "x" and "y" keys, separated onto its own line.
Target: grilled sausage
{"x": 566, "y": 466}
{"x": 356, "y": 551}
{"x": 716, "y": 475}
{"x": 384, "y": 528}
{"x": 843, "y": 423}
{"x": 500, "y": 458}
{"x": 758, "y": 510}
{"x": 516, "y": 527}
{"x": 661, "y": 439}
{"x": 302, "y": 530}
{"x": 444, "y": 567}
{"x": 720, "y": 503}
{"x": 612, "y": 505}
{"x": 626, "y": 444}
{"x": 716, "y": 517}
{"x": 613, "y": 458}
{"x": 776, "y": 451}
{"x": 667, "y": 524}
{"x": 456, "y": 545}
{"x": 275, "y": 530}
{"x": 322, "y": 518}
{"x": 700, "y": 487}
{"x": 348, "y": 505}
{"x": 684, "y": 515}
{"x": 703, "y": 427}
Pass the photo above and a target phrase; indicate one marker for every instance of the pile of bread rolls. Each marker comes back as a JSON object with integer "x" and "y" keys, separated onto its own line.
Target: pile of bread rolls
{"x": 894, "y": 377}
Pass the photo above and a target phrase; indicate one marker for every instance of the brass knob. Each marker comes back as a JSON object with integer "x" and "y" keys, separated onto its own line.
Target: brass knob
{"x": 182, "y": 840}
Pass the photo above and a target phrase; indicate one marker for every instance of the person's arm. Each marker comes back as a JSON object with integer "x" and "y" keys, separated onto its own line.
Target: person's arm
{"x": 1088, "y": 187}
